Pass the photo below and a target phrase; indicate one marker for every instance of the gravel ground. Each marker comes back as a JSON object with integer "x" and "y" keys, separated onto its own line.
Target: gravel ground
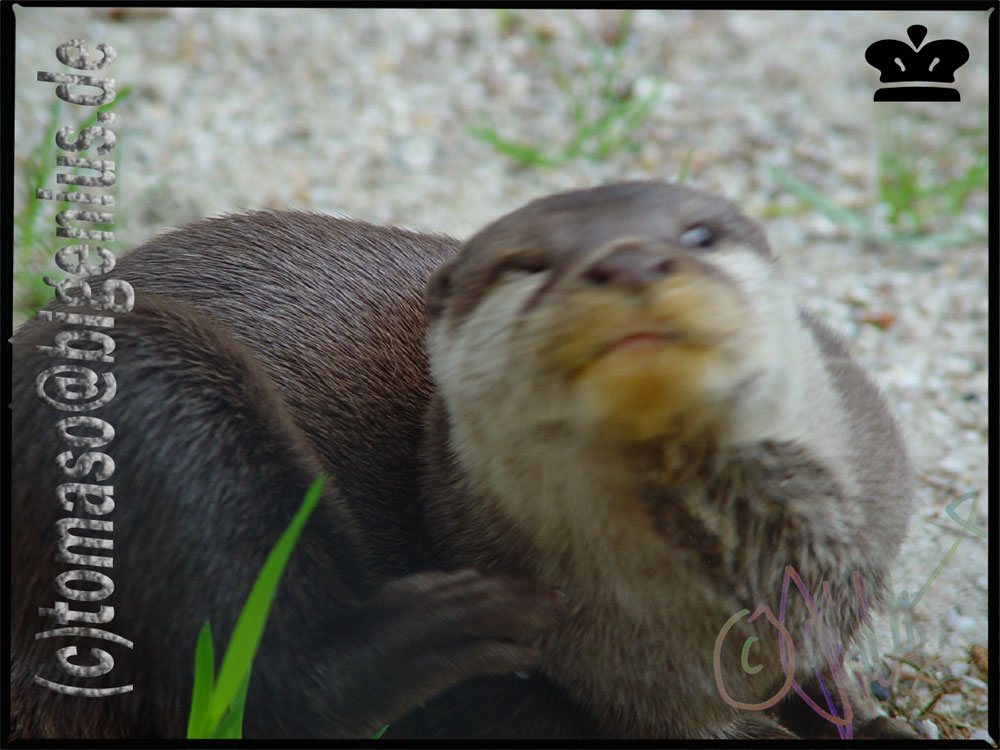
{"x": 364, "y": 113}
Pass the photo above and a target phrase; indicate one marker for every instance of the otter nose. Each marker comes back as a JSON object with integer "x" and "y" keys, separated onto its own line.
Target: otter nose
{"x": 631, "y": 266}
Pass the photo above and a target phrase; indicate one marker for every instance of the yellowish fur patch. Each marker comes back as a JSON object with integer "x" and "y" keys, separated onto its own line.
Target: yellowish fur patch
{"x": 667, "y": 384}
{"x": 646, "y": 393}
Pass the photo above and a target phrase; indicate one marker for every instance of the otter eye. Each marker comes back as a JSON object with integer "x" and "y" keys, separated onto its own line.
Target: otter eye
{"x": 697, "y": 235}
{"x": 520, "y": 265}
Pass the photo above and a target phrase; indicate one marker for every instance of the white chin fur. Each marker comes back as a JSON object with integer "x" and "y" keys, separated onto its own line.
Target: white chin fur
{"x": 479, "y": 361}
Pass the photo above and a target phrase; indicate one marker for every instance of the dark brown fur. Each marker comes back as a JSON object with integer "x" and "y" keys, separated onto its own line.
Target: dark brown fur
{"x": 262, "y": 349}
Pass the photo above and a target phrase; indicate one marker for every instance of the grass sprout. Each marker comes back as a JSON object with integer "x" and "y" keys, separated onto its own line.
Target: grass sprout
{"x": 604, "y": 109}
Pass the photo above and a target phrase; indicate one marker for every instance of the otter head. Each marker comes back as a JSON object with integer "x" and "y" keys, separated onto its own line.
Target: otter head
{"x": 592, "y": 350}
{"x": 622, "y": 313}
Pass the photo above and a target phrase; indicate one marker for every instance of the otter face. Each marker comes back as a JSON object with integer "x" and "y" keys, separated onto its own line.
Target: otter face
{"x": 621, "y": 313}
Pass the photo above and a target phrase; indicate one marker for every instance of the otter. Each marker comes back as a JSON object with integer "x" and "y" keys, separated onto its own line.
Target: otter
{"x": 561, "y": 458}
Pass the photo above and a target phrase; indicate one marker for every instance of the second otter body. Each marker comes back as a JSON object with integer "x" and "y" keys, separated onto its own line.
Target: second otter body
{"x": 623, "y": 404}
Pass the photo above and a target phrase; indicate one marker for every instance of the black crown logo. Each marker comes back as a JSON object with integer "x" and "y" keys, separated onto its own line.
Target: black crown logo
{"x": 936, "y": 61}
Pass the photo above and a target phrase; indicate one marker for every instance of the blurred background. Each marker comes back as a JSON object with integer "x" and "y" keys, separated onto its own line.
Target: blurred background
{"x": 442, "y": 120}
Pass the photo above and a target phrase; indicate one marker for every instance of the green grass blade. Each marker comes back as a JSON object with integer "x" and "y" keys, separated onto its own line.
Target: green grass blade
{"x": 682, "y": 173}
{"x": 624, "y": 28}
{"x": 204, "y": 676}
{"x": 975, "y": 178}
{"x": 380, "y": 732}
{"x": 823, "y": 204}
{"x": 574, "y": 101}
{"x": 528, "y": 155}
{"x": 231, "y": 726}
{"x": 250, "y": 625}
{"x": 626, "y": 118}
{"x": 812, "y": 197}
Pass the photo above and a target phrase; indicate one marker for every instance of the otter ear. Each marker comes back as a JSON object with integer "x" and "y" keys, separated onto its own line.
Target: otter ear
{"x": 438, "y": 289}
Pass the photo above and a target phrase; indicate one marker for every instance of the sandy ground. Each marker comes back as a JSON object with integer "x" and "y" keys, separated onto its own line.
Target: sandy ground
{"x": 365, "y": 113}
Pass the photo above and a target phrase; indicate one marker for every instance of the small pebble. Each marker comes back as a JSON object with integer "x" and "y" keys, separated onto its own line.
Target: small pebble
{"x": 950, "y": 703}
{"x": 975, "y": 681}
{"x": 929, "y": 729}
{"x": 954, "y": 464}
{"x": 880, "y": 692}
{"x": 959, "y": 668}
{"x": 901, "y": 377}
{"x": 959, "y": 623}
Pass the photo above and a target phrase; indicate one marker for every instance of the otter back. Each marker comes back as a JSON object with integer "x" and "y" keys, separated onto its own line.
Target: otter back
{"x": 262, "y": 349}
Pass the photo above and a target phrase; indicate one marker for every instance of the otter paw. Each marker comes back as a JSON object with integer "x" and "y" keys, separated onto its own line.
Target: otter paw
{"x": 424, "y": 633}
